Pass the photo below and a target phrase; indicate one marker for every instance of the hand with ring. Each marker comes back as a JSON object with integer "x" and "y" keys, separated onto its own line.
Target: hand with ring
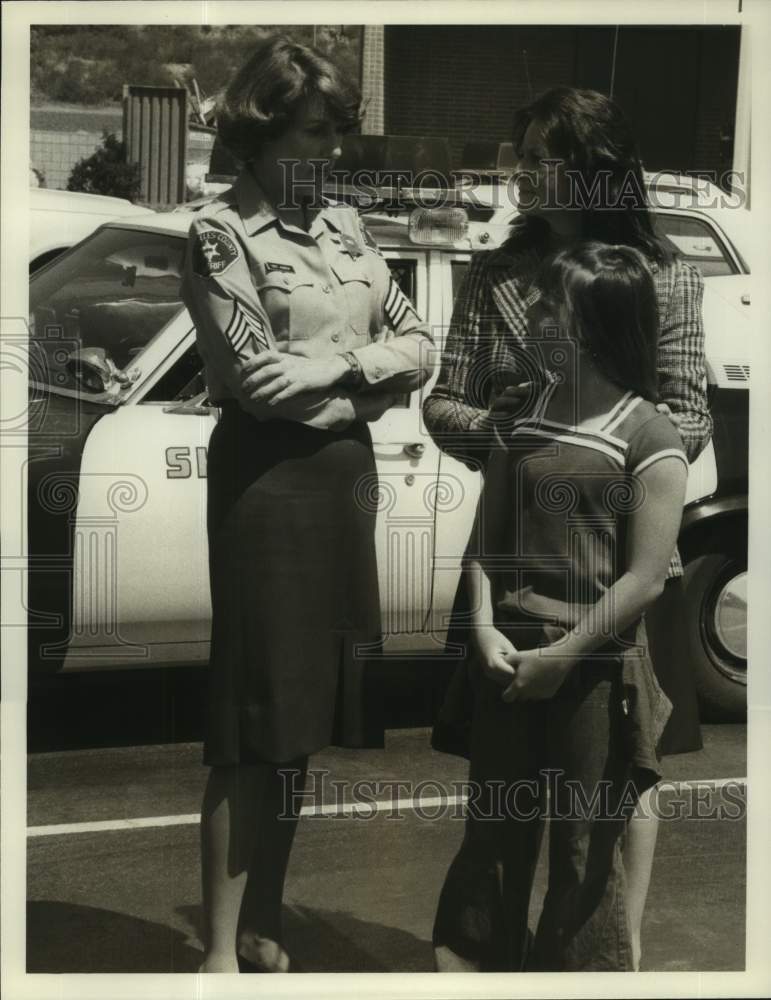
{"x": 273, "y": 376}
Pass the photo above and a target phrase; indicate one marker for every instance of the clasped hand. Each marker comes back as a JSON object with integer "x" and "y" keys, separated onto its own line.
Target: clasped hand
{"x": 525, "y": 675}
{"x": 273, "y": 376}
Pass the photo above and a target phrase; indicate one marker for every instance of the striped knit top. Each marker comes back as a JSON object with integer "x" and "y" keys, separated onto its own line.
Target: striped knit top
{"x": 571, "y": 492}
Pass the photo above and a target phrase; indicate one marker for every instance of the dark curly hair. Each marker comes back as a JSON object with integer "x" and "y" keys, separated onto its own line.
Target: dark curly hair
{"x": 606, "y": 298}
{"x": 593, "y": 138}
{"x": 269, "y": 90}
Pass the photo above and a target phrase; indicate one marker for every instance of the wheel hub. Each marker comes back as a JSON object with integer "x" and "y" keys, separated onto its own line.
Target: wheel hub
{"x": 729, "y": 626}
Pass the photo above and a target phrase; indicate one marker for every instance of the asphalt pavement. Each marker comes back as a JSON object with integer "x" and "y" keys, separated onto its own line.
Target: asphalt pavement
{"x": 113, "y": 865}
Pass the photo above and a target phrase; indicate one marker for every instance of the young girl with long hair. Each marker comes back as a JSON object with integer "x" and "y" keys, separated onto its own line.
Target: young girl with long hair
{"x": 577, "y": 523}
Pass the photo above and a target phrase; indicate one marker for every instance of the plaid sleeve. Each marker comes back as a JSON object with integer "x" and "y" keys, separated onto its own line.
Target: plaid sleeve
{"x": 682, "y": 369}
{"x": 455, "y": 412}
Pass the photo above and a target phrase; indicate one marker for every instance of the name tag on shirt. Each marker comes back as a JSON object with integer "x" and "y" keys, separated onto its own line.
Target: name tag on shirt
{"x": 283, "y": 268}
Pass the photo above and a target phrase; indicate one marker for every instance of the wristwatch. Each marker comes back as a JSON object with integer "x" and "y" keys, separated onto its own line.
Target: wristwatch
{"x": 354, "y": 377}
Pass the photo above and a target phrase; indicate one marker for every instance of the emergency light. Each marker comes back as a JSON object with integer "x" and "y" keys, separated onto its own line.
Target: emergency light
{"x": 432, "y": 226}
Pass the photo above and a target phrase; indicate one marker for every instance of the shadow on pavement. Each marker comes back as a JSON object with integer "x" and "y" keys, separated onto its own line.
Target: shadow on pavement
{"x": 66, "y": 937}
{"x": 335, "y": 941}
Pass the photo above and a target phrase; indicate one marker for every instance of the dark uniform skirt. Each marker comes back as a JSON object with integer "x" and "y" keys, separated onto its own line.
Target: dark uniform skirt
{"x": 295, "y": 603}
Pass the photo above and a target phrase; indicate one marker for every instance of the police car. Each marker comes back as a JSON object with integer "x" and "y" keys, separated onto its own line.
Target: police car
{"x": 119, "y": 423}
{"x": 59, "y": 219}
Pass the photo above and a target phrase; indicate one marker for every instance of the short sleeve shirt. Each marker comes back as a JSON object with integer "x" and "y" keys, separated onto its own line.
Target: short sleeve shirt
{"x": 572, "y": 491}
{"x": 254, "y": 282}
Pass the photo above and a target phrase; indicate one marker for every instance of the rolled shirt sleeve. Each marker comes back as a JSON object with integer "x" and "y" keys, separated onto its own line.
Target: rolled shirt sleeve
{"x": 455, "y": 414}
{"x": 681, "y": 363}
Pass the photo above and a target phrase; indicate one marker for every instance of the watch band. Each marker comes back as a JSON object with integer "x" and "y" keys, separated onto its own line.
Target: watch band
{"x": 354, "y": 377}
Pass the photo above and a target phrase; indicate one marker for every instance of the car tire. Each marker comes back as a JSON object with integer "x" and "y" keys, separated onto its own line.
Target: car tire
{"x": 720, "y": 672}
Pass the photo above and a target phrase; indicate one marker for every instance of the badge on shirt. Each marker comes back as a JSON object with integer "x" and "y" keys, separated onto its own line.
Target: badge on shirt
{"x": 350, "y": 246}
{"x": 213, "y": 253}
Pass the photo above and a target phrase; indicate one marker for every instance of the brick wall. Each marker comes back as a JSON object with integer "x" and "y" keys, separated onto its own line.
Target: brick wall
{"x": 464, "y": 81}
{"x": 717, "y": 105}
{"x": 372, "y": 72}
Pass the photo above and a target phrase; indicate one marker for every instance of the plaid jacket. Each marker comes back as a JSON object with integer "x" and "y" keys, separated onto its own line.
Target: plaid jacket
{"x": 486, "y": 336}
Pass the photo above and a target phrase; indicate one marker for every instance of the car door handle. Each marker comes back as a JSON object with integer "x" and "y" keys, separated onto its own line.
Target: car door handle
{"x": 411, "y": 450}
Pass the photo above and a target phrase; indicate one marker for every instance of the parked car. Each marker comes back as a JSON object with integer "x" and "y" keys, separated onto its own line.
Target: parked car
{"x": 60, "y": 219}
{"x": 119, "y": 423}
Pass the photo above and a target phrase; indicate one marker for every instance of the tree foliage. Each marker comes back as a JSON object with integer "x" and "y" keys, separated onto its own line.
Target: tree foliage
{"x": 88, "y": 64}
{"x": 106, "y": 171}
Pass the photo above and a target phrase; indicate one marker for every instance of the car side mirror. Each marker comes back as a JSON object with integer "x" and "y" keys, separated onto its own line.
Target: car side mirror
{"x": 93, "y": 369}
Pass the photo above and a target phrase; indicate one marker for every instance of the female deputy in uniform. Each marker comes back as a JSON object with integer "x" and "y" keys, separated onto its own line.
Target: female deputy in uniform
{"x": 305, "y": 338}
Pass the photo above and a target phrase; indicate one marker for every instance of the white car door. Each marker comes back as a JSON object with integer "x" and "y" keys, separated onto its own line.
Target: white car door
{"x": 148, "y": 559}
{"x": 407, "y": 465}
{"x": 141, "y": 587}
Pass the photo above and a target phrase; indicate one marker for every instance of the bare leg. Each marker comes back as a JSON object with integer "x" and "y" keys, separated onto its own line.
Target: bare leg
{"x": 259, "y": 929}
{"x": 639, "y": 848}
{"x": 228, "y": 822}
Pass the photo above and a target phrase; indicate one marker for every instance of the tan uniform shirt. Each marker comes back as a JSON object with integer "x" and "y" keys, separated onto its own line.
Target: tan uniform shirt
{"x": 253, "y": 281}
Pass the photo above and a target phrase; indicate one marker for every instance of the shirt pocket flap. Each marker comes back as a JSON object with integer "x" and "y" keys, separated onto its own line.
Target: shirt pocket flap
{"x": 347, "y": 269}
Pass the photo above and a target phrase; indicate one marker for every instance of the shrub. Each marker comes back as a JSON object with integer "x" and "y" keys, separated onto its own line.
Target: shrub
{"x": 106, "y": 171}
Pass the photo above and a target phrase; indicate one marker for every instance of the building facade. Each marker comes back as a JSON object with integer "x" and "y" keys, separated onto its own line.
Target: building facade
{"x": 677, "y": 84}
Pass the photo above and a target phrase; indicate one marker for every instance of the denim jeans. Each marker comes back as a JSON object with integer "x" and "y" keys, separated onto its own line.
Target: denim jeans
{"x": 571, "y": 744}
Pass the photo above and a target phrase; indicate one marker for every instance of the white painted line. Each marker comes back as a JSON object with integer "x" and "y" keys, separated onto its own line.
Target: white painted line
{"x": 331, "y": 810}
{"x": 362, "y": 809}
{"x": 104, "y": 826}
{"x": 679, "y": 786}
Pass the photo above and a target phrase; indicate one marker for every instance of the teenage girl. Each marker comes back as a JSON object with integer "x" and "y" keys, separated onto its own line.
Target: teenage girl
{"x": 577, "y": 522}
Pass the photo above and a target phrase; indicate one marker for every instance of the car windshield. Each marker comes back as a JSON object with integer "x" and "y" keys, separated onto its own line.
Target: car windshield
{"x": 103, "y": 302}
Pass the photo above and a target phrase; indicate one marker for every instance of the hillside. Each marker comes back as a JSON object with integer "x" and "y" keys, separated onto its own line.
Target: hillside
{"x": 158, "y": 56}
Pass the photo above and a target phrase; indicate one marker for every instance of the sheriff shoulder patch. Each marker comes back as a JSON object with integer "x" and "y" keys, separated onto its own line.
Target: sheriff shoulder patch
{"x": 213, "y": 253}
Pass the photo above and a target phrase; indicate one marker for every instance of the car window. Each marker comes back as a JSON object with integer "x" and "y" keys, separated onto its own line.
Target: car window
{"x": 404, "y": 273}
{"x": 109, "y": 297}
{"x": 182, "y": 381}
{"x": 458, "y": 269}
{"x": 698, "y": 243}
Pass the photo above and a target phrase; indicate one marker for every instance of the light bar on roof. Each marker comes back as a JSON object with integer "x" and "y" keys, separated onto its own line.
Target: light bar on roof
{"x": 432, "y": 226}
